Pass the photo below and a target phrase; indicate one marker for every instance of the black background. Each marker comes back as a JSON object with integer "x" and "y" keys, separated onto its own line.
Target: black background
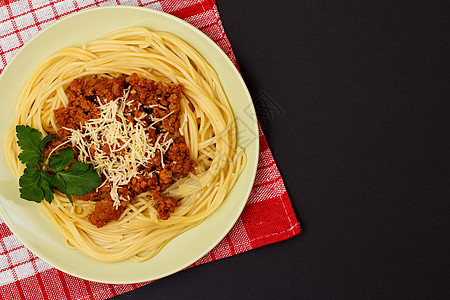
{"x": 361, "y": 140}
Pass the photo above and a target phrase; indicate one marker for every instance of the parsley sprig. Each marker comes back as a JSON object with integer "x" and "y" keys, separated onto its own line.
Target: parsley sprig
{"x": 39, "y": 178}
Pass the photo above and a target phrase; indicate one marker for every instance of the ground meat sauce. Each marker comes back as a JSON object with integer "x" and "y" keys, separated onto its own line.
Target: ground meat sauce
{"x": 146, "y": 97}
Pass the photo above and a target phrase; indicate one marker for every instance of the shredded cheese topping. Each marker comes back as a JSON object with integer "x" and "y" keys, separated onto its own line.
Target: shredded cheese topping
{"x": 116, "y": 147}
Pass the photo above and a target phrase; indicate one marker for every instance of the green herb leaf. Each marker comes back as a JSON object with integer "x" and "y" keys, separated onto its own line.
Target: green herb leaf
{"x": 35, "y": 185}
{"x": 32, "y": 145}
{"x": 61, "y": 186}
{"x": 62, "y": 160}
{"x": 45, "y": 140}
{"x": 47, "y": 186}
{"x": 80, "y": 179}
{"x": 29, "y": 158}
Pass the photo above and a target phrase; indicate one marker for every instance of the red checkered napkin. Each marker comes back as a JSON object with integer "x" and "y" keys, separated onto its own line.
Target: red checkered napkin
{"x": 267, "y": 218}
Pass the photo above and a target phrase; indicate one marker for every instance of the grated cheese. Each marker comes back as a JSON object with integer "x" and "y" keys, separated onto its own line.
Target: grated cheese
{"x": 128, "y": 143}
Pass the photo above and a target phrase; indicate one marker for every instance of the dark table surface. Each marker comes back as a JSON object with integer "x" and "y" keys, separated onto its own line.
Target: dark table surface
{"x": 361, "y": 140}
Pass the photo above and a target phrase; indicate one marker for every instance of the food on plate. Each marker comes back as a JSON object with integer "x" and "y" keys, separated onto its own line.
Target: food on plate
{"x": 126, "y": 142}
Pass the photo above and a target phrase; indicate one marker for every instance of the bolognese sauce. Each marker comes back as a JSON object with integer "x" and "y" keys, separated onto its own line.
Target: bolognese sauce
{"x": 150, "y": 106}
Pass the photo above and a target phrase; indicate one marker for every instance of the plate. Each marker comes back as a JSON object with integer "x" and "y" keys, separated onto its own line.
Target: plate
{"x": 25, "y": 218}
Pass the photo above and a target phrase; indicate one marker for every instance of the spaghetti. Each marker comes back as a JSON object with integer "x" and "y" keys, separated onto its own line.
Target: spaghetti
{"x": 207, "y": 125}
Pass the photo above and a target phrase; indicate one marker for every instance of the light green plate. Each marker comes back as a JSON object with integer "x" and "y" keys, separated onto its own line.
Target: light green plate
{"x": 25, "y": 219}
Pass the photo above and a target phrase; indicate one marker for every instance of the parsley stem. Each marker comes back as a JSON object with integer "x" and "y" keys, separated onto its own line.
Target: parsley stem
{"x": 47, "y": 166}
